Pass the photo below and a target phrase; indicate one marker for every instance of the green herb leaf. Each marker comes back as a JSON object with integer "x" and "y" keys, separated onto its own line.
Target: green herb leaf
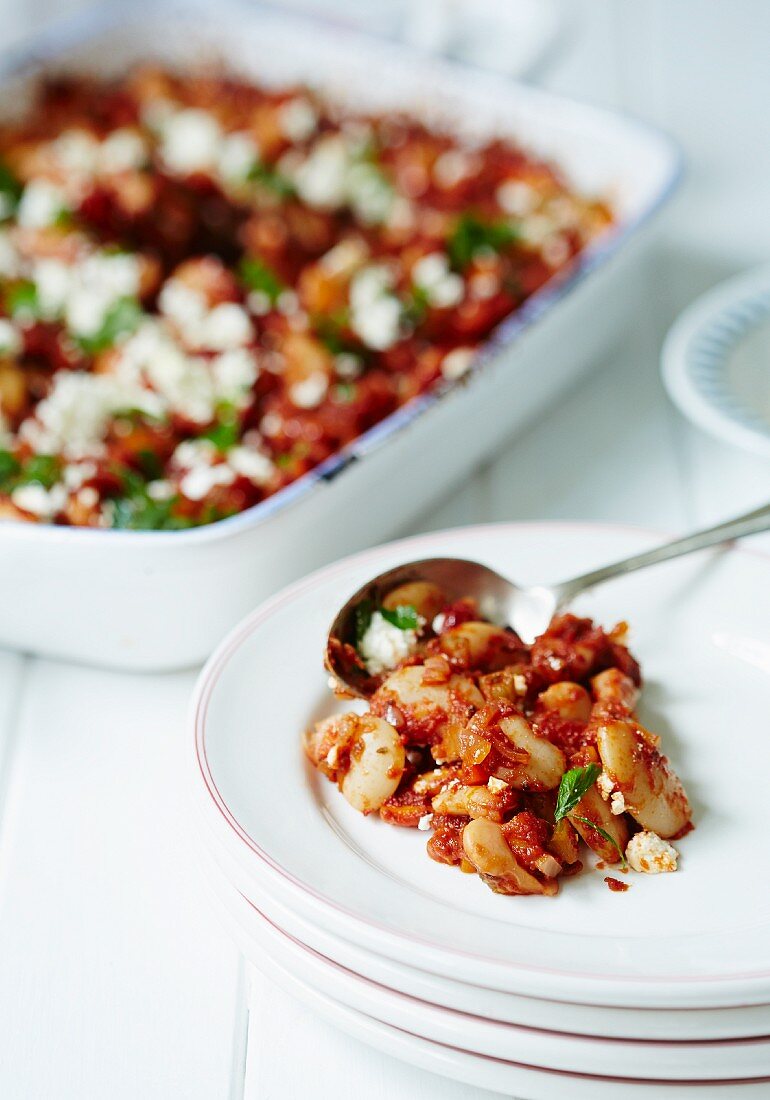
{"x": 404, "y": 616}
{"x": 605, "y": 835}
{"x": 21, "y": 298}
{"x": 40, "y": 469}
{"x": 257, "y": 276}
{"x": 574, "y": 784}
{"x": 472, "y": 235}
{"x": 150, "y": 465}
{"x": 227, "y": 430}
{"x": 344, "y": 392}
{"x": 139, "y": 512}
{"x": 362, "y": 617}
{"x": 265, "y": 175}
{"x": 10, "y": 191}
{"x": 121, "y": 319}
{"x": 416, "y": 305}
{"x": 9, "y": 468}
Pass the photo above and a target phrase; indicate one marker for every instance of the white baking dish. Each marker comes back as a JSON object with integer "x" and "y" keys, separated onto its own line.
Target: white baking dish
{"x": 158, "y": 600}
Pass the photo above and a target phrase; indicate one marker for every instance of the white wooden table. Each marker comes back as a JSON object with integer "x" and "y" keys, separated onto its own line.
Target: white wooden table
{"x": 115, "y": 978}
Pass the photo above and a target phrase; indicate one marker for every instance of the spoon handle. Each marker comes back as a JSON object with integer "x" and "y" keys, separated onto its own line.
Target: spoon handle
{"x": 749, "y": 524}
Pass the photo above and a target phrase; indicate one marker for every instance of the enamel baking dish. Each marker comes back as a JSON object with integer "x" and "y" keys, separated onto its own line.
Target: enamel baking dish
{"x": 161, "y": 600}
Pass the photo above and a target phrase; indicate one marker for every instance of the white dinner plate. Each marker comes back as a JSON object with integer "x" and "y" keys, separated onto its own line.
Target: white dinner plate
{"x": 519, "y": 1079}
{"x": 716, "y": 361}
{"x": 541, "y": 1048}
{"x": 247, "y": 902}
{"x": 699, "y": 937}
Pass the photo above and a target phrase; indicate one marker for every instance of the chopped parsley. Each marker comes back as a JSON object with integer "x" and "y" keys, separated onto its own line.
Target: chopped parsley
{"x": 227, "y": 430}
{"x": 150, "y": 464}
{"x": 21, "y": 299}
{"x": 122, "y": 318}
{"x": 10, "y": 192}
{"x": 344, "y": 392}
{"x": 257, "y": 276}
{"x": 40, "y": 470}
{"x": 416, "y": 305}
{"x": 472, "y": 235}
{"x": 9, "y": 469}
{"x": 265, "y": 175}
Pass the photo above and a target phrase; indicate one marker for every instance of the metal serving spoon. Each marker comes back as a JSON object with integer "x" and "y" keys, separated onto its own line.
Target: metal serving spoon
{"x": 527, "y": 610}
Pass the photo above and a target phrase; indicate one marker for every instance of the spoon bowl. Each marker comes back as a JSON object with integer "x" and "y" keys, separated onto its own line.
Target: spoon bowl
{"x": 527, "y": 611}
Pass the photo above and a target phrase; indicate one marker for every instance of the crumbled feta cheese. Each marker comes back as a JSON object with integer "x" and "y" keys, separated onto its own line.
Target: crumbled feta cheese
{"x": 425, "y": 822}
{"x": 10, "y": 338}
{"x": 444, "y": 288}
{"x": 310, "y": 392}
{"x": 617, "y": 803}
{"x": 185, "y": 383}
{"x": 287, "y": 303}
{"x": 375, "y": 313}
{"x": 77, "y": 151}
{"x": 122, "y": 150}
{"x": 321, "y": 180}
{"x": 271, "y": 425}
{"x": 252, "y": 464}
{"x": 157, "y": 113}
{"x": 9, "y": 257}
{"x": 438, "y": 623}
{"x": 456, "y": 363}
{"x": 238, "y": 155}
{"x": 160, "y": 490}
{"x": 369, "y": 193}
{"x": 41, "y": 203}
{"x": 452, "y": 167}
{"x": 516, "y": 197}
{"x": 73, "y": 417}
{"x": 649, "y": 853}
{"x": 75, "y": 473}
{"x": 520, "y": 683}
{"x": 191, "y": 141}
{"x": 259, "y": 303}
{"x": 496, "y": 785}
{"x": 181, "y": 304}
{"x": 297, "y": 119}
{"x": 39, "y": 501}
{"x": 348, "y": 366}
{"x": 53, "y": 283}
{"x": 605, "y": 786}
{"x": 95, "y": 286}
{"x": 194, "y": 452}
{"x": 384, "y": 645}
{"x": 227, "y": 325}
{"x": 198, "y": 482}
{"x": 88, "y": 496}
{"x": 536, "y": 229}
{"x": 235, "y": 372}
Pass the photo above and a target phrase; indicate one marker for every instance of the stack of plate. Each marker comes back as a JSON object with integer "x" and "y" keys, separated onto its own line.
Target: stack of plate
{"x": 663, "y": 989}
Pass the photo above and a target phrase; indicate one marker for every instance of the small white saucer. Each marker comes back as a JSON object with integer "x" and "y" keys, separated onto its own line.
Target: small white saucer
{"x": 716, "y": 361}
